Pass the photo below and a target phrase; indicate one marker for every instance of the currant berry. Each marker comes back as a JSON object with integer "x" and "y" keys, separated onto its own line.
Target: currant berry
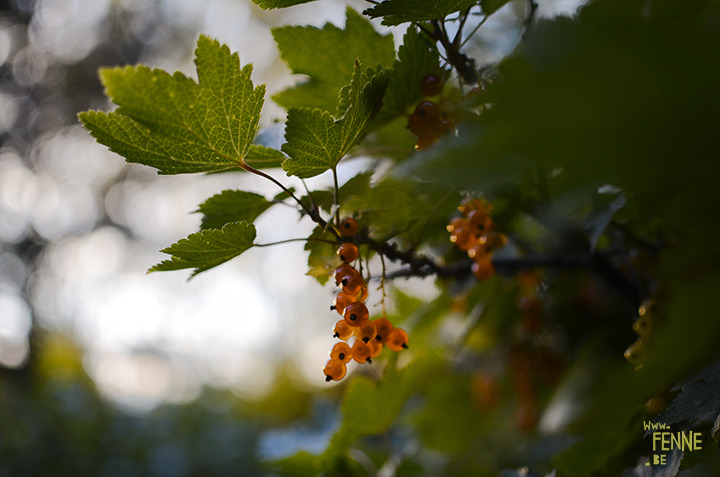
{"x": 363, "y": 294}
{"x": 334, "y": 370}
{"x": 349, "y": 227}
{"x": 483, "y": 268}
{"x": 479, "y": 219}
{"x": 376, "y": 348}
{"x": 429, "y": 111}
{"x": 493, "y": 240}
{"x": 356, "y": 314}
{"x": 397, "y": 340}
{"x": 352, "y": 284}
{"x": 341, "y": 351}
{"x": 343, "y": 271}
{"x": 445, "y": 128}
{"x": 420, "y": 126}
{"x": 361, "y": 352}
{"x": 341, "y": 301}
{"x": 383, "y": 328}
{"x": 464, "y": 239}
{"x": 635, "y": 353}
{"x": 457, "y": 223}
{"x": 366, "y": 331}
{"x": 431, "y": 85}
{"x": 425, "y": 141}
{"x": 348, "y": 252}
{"x": 342, "y": 330}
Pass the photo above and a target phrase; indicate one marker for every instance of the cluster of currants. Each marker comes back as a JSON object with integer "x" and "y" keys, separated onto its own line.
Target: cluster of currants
{"x": 643, "y": 327}
{"x": 370, "y": 336}
{"x": 473, "y": 233}
{"x": 429, "y": 122}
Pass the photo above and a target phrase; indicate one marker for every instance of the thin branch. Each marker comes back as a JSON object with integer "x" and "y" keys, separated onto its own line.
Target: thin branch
{"x": 309, "y": 239}
{"x": 477, "y": 27}
{"x": 336, "y": 198}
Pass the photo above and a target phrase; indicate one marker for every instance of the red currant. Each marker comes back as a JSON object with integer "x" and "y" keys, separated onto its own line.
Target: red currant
{"x": 483, "y": 269}
{"x": 397, "y": 340}
{"x": 366, "y": 331}
{"x": 361, "y": 352}
{"x": 383, "y": 328}
{"x": 352, "y": 284}
{"x": 348, "y": 252}
{"x": 431, "y": 85}
{"x": 356, "y": 314}
{"x": 341, "y": 301}
{"x": 349, "y": 227}
{"x": 334, "y": 370}
{"x": 341, "y": 351}
{"x": 342, "y": 330}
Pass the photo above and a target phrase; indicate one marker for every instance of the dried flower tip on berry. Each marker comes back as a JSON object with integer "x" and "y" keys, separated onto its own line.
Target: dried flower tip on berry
{"x": 349, "y": 227}
{"x": 348, "y": 252}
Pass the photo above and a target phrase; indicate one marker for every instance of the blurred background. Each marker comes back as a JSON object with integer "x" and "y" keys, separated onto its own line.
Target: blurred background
{"x": 105, "y": 370}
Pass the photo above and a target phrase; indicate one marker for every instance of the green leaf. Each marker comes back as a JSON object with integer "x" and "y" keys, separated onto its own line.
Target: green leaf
{"x": 302, "y": 464}
{"x": 698, "y": 396}
{"x": 316, "y": 142}
{"x": 177, "y": 125}
{"x": 395, "y": 12}
{"x": 322, "y": 259}
{"x": 208, "y": 248}
{"x": 416, "y": 59}
{"x": 261, "y": 157}
{"x": 327, "y": 56}
{"x": 491, "y": 6}
{"x": 232, "y": 206}
{"x": 272, "y": 4}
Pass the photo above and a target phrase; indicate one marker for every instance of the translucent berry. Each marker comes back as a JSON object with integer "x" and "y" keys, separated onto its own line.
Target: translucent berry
{"x": 397, "y": 340}
{"x": 419, "y": 125}
{"x": 425, "y": 141}
{"x": 341, "y": 351}
{"x": 431, "y": 85}
{"x": 361, "y": 352}
{"x": 493, "y": 240}
{"x": 445, "y": 128}
{"x": 334, "y": 370}
{"x": 376, "y": 348}
{"x": 483, "y": 268}
{"x": 363, "y": 294}
{"x": 429, "y": 111}
{"x": 366, "y": 331}
{"x": 349, "y": 227}
{"x": 464, "y": 239}
{"x": 457, "y": 223}
{"x": 356, "y": 314}
{"x": 342, "y": 330}
{"x": 635, "y": 353}
{"x": 341, "y": 301}
{"x": 352, "y": 284}
{"x": 383, "y": 327}
{"x": 348, "y": 252}
{"x": 343, "y": 271}
{"x": 480, "y": 219}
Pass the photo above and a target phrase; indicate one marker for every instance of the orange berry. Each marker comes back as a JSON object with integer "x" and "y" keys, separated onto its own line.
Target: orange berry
{"x": 464, "y": 239}
{"x": 342, "y": 330}
{"x": 348, "y": 252}
{"x": 483, "y": 269}
{"x": 493, "y": 240}
{"x": 352, "y": 284}
{"x": 397, "y": 340}
{"x": 366, "y": 331}
{"x": 419, "y": 126}
{"x": 480, "y": 219}
{"x": 334, "y": 370}
{"x": 425, "y": 141}
{"x": 457, "y": 223}
{"x": 431, "y": 85}
{"x": 356, "y": 314}
{"x": 429, "y": 111}
{"x": 383, "y": 327}
{"x": 363, "y": 294}
{"x": 343, "y": 271}
{"x": 361, "y": 352}
{"x": 349, "y": 227}
{"x": 444, "y": 128}
{"x": 341, "y": 351}
{"x": 341, "y": 301}
{"x": 376, "y": 348}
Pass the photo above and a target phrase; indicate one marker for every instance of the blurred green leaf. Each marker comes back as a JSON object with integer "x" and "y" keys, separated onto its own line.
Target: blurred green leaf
{"x": 322, "y": 259}
{"x": 302, "y": 464}
{"x": 328, "y": 56}
{"x": 175, "y": 124}
{"x": 272, "y": 4}
{"x": 232, "y": 206}
{"x": 208, "y": 248}
{"x": 491, "y": 6}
